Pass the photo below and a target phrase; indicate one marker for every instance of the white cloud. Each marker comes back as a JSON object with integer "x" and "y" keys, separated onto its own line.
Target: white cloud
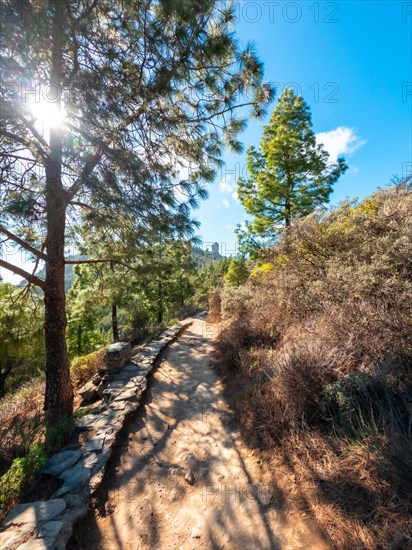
{"x": 225, "y": 185}
{"x": 341, "y": 141}
{"x": 226, "y": 203}
{"x": 235, "y": 196}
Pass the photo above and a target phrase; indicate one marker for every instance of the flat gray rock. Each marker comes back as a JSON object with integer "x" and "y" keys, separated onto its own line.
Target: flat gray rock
{"x": 88, "y": 391}
{"x": 94, "y": 444}
{"x": 76, "y": 475}
{"x": 123, "y": 376}
{"x": 128, "y": 395}
{"x": 50, "y": 529}
{"x": 117, "y": 355}
{"x": 115, "y": 384}
{"x": 90, "y": 460}
{"x": 103, "y": 424}
{"x": 61, "y": 461}
{"x": 35, "y": 512}
{"x": 74, "y": 500}
{"x": 118, "y": 405}
{"x": 64, "y": 489}
{"x": 130, "y": 367}
{"x": 86, "y": 421}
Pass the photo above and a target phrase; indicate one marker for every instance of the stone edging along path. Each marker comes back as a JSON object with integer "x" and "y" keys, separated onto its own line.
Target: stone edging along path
{"x": 47, "y": 525}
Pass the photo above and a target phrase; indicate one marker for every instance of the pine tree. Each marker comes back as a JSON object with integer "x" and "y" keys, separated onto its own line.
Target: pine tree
{"x": 21, "y": 336}
{"x": 134, "y": 90}
{"x": 289, "y": 176}
{"x": 238, "y": 273}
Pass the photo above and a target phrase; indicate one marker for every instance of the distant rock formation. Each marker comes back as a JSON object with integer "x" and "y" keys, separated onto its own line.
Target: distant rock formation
{"x": 207, "y": 252}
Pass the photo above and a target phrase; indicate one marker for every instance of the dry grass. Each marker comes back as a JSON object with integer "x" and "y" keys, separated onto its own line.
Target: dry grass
{"x": 322, "y": 349}
{"x": 356, "y": 492}
{"x": 215, "y": 307}
{"x": 21, "y": 422}
{"x": 21, "y": 413}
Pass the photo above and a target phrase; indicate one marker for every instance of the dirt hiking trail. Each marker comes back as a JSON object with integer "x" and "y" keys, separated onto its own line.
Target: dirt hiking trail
{"x": 182, "y": 477}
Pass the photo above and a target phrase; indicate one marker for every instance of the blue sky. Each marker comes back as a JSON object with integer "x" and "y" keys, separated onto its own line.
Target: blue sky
{"x": 351, "y": 61}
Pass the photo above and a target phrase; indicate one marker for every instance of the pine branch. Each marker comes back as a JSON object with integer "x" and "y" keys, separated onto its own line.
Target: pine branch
{"x": 23, "y": 243}
{"x": 28, "y": 276}
{"x": 27, "y": 143}
{"x": 15, "y": 137}
{"x": 82, "y": 205}
{"x": 19, "y": 157}
{"x": 94, "y": 159}
{"x": 106, "y": 261}
{"x": 11, "y": 108}
{"x": 109, "y": 261}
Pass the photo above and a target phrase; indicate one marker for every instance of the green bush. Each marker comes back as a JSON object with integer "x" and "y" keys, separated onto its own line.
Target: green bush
{"x": 84, "y": 367}
{"x": 137, "y": 324}
{"x": 21, "y": 475}
{"x": 58, "y": 433}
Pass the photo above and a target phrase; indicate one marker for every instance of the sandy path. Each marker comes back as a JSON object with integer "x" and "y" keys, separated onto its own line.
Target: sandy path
{"x": 184, "y": 425}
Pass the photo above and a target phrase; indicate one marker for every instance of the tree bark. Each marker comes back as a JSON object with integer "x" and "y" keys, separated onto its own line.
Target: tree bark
{"x": 2, "y": 384}
{"x": 159, "y": 303}
{"x": 288, "y": 215}
{"x": 115, "y": 328}
{"x": 59, "y": 390}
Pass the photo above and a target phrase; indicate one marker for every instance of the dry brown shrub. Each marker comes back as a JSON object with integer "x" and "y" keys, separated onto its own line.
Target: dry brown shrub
{"x": 22, "y": 415}
{"x": 322, "y": 349}
{"x": 215, "y": 314}
{"x": 21, "y": 421}
{"x": 359, "y": 493}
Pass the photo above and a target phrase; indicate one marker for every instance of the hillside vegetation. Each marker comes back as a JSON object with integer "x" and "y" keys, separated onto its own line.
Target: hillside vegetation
{"x": 320, "y": 339}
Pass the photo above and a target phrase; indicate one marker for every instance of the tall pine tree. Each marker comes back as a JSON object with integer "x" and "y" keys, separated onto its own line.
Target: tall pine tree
{"x": 289, "y": 175}
{"x": 125, "y": 92}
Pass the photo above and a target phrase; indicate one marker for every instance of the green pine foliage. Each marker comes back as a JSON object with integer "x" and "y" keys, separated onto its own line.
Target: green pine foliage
{"x": 21, "y": 336}
{"x": 21, "y": 476}
{"x": 288, "y": 176}
{"x": 238, "y": 272}
{"x": 145, "y": 89}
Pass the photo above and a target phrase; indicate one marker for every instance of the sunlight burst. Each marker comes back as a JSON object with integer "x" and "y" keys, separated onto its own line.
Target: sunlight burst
{"x": 47, "y": 114}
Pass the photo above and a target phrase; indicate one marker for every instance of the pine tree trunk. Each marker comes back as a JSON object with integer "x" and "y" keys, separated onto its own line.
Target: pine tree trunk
{"x": 159, "y": 303}
{"x": 2, "y": 384}
{"x": 59, "y": 390}
{"x": 288, "y": 215}
{"x": 115, "y": 327}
